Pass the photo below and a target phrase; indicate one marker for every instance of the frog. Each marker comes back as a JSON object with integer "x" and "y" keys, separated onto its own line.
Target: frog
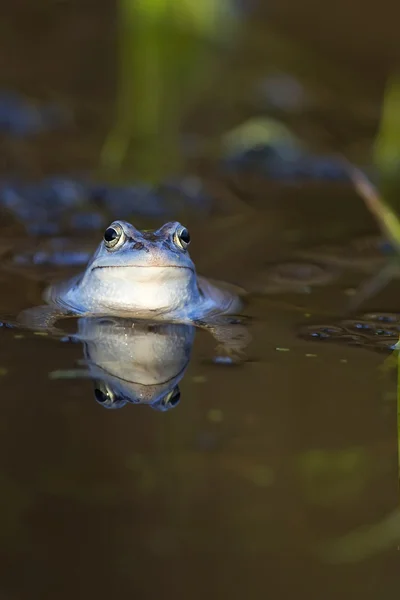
{"x": 141, "y": 364}
{"x": 147, "y": 275}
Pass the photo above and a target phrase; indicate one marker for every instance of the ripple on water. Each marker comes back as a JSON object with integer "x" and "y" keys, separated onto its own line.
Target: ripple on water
{"x": 295, "y": 276}
{"x": 363, "y": 252}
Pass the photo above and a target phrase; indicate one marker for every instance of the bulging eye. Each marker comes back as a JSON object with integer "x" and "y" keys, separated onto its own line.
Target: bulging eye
{"x": 175, "y": 397}
{"x": 106, "y": 397}
{"x": 182, "y": 238}
{"x": 113, "y": 235}
{"x": 169, "y": 401}
{"x": 103, "y": 394}
{"x": 172, "y": 399}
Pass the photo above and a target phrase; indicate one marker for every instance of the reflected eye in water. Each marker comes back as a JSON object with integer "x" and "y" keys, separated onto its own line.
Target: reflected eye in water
{"x": 114, "y": 236}
{"x": 169, "y": 401}
{"x": 106, "y": 397}
{"x": 182, "y": 237}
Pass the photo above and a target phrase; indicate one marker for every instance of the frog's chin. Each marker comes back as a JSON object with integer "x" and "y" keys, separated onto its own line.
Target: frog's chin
{"x": 139, "y": 292}
{"x": 145, "y": 288}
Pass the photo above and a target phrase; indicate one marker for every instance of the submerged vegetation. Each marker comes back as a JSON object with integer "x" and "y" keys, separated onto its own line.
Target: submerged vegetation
{"x": 167, "y": 59}
{"x": 381, "y": 202}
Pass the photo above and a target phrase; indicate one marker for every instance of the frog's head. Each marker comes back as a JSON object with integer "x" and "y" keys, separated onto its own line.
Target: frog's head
{"x": 137, "y": 269}
{"x": 111, "y": 397}
{"x": 125, "y": 246}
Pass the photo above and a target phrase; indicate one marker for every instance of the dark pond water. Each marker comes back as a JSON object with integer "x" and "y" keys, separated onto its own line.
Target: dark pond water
{"x": 273, "y": 475}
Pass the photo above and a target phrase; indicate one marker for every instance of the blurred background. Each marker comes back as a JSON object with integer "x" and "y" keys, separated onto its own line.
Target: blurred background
{"x": 236, "y": 117}
{"x": 112, "y": 79}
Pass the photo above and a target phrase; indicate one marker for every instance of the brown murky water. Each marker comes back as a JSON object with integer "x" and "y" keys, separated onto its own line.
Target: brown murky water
{"x": 275, "y": 477}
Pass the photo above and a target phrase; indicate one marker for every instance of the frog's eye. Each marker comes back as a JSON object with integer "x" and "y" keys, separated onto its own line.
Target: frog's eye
{"x": 174, "y": 398}
{"x": 106, "y": 397}
{"x": 103, "y": 394}
{"x": 171, "y": 399}
{"x": 113, "y": 236}
{"x": 182, "y": 238}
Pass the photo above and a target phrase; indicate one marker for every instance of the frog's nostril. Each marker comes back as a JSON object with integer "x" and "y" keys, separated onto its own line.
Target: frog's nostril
{"x": 138, "y": 246}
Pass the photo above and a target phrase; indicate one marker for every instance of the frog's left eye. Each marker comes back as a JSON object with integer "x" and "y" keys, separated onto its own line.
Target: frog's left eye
{"x": 113, "y": 236}
{"x": 174, "y": 398}
{"x": 169, "y": 401}
{"x": 182, "y": 238}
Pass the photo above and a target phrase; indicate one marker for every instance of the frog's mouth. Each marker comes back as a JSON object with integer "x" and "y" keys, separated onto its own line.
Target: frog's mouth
{"x": 142, "y": 267}
{"x": 145, "y": 273}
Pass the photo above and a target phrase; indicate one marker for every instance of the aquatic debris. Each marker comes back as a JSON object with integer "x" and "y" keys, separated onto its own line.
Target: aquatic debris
{"x": 280, "y": 163}
{"x": 125, "y": 201}
{"x": 365, "y": 542}
{"x": 215, "y": 415}
{"x": 386, "y": 218}
{"x": 43, "y": 207}
{"x": 223, "y": 360}
{"x": 87, "y": 220}
{"x": 393, "y": 318}
{"x": 57, "y": 251}
{"x": 284, "y": 92}
{"x": 7, "y": 325}
{"x": 199, "y": 379}
{"x": 21, "y": 118}
{"x": 261, "y": 475}
{"x": 261, "y": 135}
{"x": 70, "y": 338}
{"x": 333, "y": 477}
{"x": 69, "y": 374}
{"x": 350, "y": 292}
{"x": 373, "y": 331}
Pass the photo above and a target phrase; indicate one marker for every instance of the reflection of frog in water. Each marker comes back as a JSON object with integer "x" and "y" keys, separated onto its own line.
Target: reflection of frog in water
{"x": 135, "y": 362}
{"x": 145, "y": 275}
{"x": 150, "y": 275}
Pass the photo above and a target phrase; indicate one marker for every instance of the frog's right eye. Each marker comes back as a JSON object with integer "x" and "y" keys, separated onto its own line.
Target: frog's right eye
{"x": 106, "y": 397}
{"x": 113, "y": 236}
